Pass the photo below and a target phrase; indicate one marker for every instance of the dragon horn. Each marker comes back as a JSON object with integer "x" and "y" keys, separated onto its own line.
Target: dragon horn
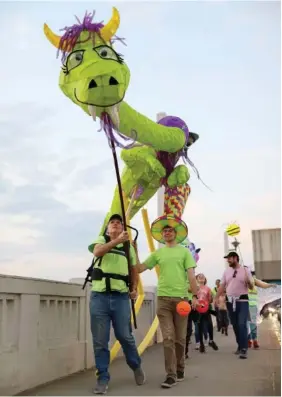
{"x": 52, "y": 37}
{"x": 109, "y": 30}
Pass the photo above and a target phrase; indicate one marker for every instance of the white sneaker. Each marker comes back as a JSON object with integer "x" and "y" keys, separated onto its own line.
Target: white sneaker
{"x": 197, "y": 346}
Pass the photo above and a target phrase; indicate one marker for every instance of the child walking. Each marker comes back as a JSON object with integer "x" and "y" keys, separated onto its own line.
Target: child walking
{"x": 205, "y": 294}
{"x": 223, "y": 314}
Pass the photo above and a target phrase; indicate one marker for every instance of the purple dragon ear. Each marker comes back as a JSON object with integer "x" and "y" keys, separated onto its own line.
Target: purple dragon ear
{"x": 198, "y": 250}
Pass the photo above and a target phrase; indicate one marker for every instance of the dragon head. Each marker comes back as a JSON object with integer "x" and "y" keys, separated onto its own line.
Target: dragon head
{"x": 94, "y": 76}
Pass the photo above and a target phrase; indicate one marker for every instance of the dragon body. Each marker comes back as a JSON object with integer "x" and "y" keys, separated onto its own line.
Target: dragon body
{"x": 95, "y": 77}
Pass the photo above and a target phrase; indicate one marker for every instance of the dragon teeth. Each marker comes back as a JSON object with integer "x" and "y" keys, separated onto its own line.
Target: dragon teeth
{"x": 92, "y": 111}
{"x": 114, "y": 114}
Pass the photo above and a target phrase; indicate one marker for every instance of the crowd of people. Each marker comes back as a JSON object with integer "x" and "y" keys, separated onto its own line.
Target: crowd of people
{"x": 232, "y": 300}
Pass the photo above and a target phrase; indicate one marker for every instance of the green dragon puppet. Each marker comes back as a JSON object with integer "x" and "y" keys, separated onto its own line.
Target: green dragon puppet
{"x": 95, "y": 77}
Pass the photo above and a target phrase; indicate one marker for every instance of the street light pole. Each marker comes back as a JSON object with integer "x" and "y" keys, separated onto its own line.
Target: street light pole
{"x": 160, "y": 193}
{"x": 226, "y": 247}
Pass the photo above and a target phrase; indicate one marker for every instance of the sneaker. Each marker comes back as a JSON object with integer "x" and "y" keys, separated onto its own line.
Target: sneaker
{"x": 180, "y": 376}
{"x": 250, "y": 343}
{"x": 243, "y": 354}
{"x": 256, "y": 345}
{"x": 197, "y": 346}
{"x": 139, "y": 376}
{"x": 213, "y": 345}
{"x": 168, "y": 383}
{"x": 101, "y": 388}
{"x": 226, "y": 331}
{"x": 202, "y": 349}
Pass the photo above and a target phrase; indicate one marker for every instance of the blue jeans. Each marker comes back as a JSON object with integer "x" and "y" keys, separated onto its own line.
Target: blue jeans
{"x": 239, "y": 320}
{"x": 104, "y": 309}
{"x": 197, "y": 332}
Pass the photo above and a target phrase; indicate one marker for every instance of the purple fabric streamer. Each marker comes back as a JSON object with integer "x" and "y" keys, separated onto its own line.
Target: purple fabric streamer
{"x": 108, "y": 127}
{"x": 71, "y": 36}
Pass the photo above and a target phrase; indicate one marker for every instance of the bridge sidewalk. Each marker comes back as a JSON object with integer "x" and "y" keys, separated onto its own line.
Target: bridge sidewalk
{"x": 216, "y": 373}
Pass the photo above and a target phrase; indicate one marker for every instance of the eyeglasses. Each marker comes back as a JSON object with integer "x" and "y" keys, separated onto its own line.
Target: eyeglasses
{"x": 235, "y": 274}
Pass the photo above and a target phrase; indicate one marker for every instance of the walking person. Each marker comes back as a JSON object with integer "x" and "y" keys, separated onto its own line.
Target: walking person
{"x": 193, "y": 318}
{"x": 109, "y": 302}
{"x": 223, "y": 314}
{"x": 214, "y": 291}
{"x": 253, "y": 306}
{"x": 176, "y": 265}
{"x": 204, "y": 319}
{"x": 236, "y": 280}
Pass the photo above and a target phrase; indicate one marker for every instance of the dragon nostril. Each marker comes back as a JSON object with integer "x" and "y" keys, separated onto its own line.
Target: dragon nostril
{"x": 92, "y": 84}
{"x": 113, "y": 81}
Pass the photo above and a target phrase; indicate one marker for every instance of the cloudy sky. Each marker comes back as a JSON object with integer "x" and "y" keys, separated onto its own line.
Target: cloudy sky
{"x": 216, "y": 65}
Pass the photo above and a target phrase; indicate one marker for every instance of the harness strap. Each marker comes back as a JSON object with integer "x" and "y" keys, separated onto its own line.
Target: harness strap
{"x": 98, "y": 275}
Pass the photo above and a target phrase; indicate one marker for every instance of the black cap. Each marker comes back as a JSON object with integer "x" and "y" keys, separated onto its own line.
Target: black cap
{"x": 232, "y": 254}
{"x": 116, "y": 216}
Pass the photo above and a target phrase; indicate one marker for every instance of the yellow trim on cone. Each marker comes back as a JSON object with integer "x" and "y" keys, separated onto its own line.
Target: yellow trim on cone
{"x": 155, "y": 324}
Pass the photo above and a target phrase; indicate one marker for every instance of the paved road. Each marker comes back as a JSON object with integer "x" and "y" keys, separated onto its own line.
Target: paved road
{"x": 215, "y": 373}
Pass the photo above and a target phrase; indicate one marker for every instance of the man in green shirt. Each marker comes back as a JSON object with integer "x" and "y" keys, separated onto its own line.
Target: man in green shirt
{"x": 109, "y": 302}
{"x": 175, "y": 263}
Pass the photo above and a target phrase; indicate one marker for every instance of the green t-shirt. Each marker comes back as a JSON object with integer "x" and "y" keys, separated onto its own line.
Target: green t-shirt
{"x": 214, "y": 291}
{"x": 173, "y": 263}
{"x": 253, "y": 296}
{"x": 113, "y": 263}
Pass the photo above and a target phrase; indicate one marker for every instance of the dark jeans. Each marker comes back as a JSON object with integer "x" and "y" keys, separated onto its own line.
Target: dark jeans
{"x": 217, "y": 319}
{"x": 223, "y": 318}
{"x": 239, "y": 320}
{"x": 193, "y": 318}
{"x": 203, "y": 324}
{"x": 106, "y": 309}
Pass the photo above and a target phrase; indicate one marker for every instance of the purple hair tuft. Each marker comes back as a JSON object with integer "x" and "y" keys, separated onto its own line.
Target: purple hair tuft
{"x": 71, "y": 36}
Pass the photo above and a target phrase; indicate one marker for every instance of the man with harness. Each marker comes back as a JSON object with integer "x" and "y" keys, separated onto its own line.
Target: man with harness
{"x": 109, "y": 302}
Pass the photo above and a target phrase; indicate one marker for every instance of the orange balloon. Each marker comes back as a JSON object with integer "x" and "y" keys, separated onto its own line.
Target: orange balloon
{"x": 183, "y": 308}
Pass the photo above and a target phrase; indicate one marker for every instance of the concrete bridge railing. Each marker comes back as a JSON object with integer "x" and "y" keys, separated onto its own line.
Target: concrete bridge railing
{"x": 45, "y": 331}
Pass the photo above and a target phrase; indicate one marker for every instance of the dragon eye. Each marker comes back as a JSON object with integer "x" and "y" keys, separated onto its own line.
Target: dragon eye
{"x": 74, "y": 59}
{"x": 106, "y": 52}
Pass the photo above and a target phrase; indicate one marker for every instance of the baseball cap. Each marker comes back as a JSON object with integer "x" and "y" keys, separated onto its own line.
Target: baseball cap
{"x": 231, "y": 254}
{"x": 116, "y": 216}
